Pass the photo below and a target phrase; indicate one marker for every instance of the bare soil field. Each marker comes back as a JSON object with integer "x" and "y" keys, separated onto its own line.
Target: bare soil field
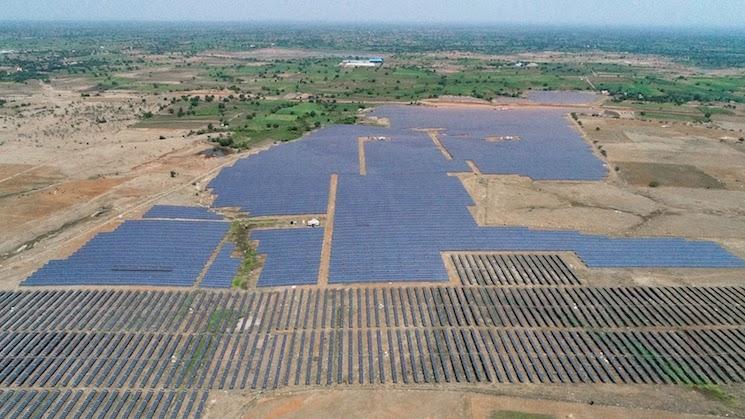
{"x": 508, "y": 401}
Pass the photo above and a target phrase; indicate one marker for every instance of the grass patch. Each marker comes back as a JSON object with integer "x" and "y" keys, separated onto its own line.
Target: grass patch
{"x": 676, "y": 372}
{"x": 512, "y": 414}
{"x": 201, "y": 353}
{"x": 670, "y": 368}
{"x": 681, "y": 117}
{"x": 238, "y": 234}
{"x": 197, "y": 359}
{"x": 711, "y": 110}
{"x": 661, "y": 174}
{"x": 217, "y": 318}
{"x": 714, "y": 392}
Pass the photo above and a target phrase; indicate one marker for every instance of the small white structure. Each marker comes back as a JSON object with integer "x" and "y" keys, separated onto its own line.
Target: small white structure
{"x": 357, "y": 63}
{"x": 313, "y": 222}
{"x": 369, "y": 62}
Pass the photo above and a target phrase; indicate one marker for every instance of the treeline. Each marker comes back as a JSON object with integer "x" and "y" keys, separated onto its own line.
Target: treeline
{"x": 708, "y": 48}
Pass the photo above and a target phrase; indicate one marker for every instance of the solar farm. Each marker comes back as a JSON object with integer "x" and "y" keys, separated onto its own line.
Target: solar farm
{"x": 399, "y": 285}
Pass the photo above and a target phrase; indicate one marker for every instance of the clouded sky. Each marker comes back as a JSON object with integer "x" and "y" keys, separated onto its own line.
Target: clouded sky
{"x": 595, "y": 12}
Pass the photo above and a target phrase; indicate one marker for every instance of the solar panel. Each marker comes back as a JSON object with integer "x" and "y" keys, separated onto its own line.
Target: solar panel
{"x": 293, "y": 255}
{"x": 223, "y": 269}
{"x": 540, "y": 144}
{"x": 181, "y": 212}
{"x": 139, "y": 252}
{"x": 390, "y": 225}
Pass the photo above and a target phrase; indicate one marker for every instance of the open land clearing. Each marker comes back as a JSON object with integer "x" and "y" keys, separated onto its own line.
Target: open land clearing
{"x": 59, "y": 183}
{"x": 505, "y": 331}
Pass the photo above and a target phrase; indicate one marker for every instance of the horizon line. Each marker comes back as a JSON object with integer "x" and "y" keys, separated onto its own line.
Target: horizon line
{"x": 386, "y": 22}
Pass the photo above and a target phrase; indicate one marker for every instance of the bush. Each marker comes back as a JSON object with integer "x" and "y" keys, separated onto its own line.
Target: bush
{"x": 225, "y": 141}
{"x": 654, "y": 184}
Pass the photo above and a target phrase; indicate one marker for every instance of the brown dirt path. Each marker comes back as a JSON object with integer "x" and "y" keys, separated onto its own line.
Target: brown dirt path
{"x": 328, "y": 233}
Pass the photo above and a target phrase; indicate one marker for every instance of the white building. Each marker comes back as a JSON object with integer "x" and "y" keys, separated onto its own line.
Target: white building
{"x": 369, "y": 62}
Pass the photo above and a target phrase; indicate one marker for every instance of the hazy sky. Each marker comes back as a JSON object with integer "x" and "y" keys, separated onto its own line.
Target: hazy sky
{"x": 619, "y": 12}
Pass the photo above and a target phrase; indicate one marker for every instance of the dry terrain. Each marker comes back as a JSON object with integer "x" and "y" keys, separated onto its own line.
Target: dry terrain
{"x": 510, "y": 401}
{"x": 70, "y": 165}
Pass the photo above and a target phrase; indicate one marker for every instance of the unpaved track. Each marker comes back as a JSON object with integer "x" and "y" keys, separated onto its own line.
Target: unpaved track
{"x": 328, "y": 233}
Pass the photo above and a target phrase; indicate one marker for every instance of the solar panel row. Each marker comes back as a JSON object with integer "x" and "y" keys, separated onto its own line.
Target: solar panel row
{"x": 393, "y": 228}
{"x": 270, "y": 339}
{"x": 543, "y": 144}
{"x": 294, "y": 255}
{"x": 291, "y": 178}
{"x": 140, "y": 252}
{"x": 223, "y": 269}
{"x": 273, "y": 194}
{"x": 408, "y": 152}
{"x": 15, "y": 403}
{"x": 181, "y": 212}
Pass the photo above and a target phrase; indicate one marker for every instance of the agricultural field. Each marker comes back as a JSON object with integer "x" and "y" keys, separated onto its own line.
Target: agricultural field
{"x": 229, "y": 223}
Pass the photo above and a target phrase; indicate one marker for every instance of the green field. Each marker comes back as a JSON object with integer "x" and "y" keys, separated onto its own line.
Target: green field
{"x": 280, "y": 99}
{"x": 242, "y": 121}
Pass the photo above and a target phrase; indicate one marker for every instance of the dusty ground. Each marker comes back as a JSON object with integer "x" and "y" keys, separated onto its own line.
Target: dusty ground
{"x": 580, "y": 401}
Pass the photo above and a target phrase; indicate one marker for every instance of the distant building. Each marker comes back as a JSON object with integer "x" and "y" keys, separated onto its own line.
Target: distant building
{"x": 369, "y": 62}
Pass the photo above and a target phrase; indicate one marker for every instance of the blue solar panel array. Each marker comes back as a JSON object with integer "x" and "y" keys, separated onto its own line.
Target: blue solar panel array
{"x": 141, "y": 252}
{"x": 408, "y": 153}
{"x": 390, "y": 225}
{"x": 223, "y": 269}
{"x": 386, "y": 227}
{"x": 293, "y": 255}
{"x": 269, "y": 194}
{"x": 292, "y": 178}
{"x": 181, "y": 212}
{"x": 547, "y": 148}
{"x": 393, "y": 228}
